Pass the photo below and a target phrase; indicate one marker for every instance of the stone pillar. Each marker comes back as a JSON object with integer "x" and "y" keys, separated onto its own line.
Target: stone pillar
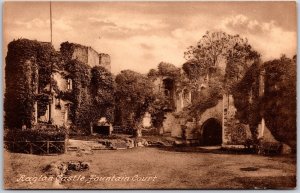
{"x": 181, "y": 100}
{"x": 91, "y": 128}
{"x": 190, "y": 96}
{"x": 47, "y": 112}
{"x": 261, "y": 83}
{"x": 262, "y": 126}
{"x": 66, "y": 114}
{"x": 227, "y": 118}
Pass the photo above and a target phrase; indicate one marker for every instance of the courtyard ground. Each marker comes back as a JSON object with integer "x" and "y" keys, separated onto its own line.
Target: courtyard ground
{"x": 159, "y": 168}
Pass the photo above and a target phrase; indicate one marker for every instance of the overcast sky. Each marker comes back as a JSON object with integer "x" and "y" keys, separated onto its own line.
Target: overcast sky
{"x": 138, "y": 36}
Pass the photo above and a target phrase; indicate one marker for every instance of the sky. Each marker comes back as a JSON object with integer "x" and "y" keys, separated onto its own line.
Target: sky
{"x": 140, "y": 35}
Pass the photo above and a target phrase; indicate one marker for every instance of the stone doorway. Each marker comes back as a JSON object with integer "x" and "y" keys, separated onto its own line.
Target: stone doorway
{"x": 211, "y": 132}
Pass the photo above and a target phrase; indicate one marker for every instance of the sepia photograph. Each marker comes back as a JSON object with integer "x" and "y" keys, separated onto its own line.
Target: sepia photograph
{"x": 174, "y": 95}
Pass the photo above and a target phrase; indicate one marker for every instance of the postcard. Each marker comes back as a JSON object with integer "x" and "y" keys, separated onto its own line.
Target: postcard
{"x": 149, "y": 95}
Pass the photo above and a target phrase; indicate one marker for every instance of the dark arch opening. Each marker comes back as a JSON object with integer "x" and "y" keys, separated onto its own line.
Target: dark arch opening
{"x": 169, "y": 87}
{"x": 169, "y": 92}
{"x": 212, "y": 132}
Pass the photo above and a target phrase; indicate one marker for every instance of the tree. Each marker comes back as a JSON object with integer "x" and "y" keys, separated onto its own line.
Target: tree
{"x": 239, "y": 59}
{"x": 273, "y": 99}
{"x": 247, "y": 99}
{"x": 134, "y": 95}
{"x": 168, "y": 69}
{"x": 157, "y": 110}
{"x": 102, "y": 94}
{"x": 278, "y": 105}
{"x": 165, "y": 69}
{"x": 206, "y": 59}
{"x": 216, "y": 49}
{"x": 209, "y": 51}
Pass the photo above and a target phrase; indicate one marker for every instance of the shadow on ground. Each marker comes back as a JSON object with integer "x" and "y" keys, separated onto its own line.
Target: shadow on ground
{"x": 217, "y": 150}
{"x": 269, "y": 182}
{"x": 197, "y": 149}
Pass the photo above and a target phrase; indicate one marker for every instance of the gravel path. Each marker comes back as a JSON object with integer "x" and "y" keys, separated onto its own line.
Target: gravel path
{"x": 153, "y": 168}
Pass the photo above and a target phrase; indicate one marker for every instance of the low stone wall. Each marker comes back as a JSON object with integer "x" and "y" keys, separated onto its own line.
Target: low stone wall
{"x": 233, "y": 132}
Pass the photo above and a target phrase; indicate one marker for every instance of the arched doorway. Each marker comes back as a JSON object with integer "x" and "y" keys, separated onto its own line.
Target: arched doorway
{"x": 169, "y": 92}
{"x": 211, "y": 132}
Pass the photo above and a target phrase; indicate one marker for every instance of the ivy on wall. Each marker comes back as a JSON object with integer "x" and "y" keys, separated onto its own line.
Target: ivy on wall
{"x": 79, "y": 96}
{"x": 158, "y": 107}
{"x": 247, "y": 99}
{"x": 134, "y": 96}
{"x": 206, "y": 98}
{"x": 29, "y": 65}
{"x": 278, "y": 104}
{"x": 102, "y": 91}
{"x": 268, "y": 91}
{"x": 24, "y": 59}
{"x": 66, "y": 50}
{"x": 92, "y": 94}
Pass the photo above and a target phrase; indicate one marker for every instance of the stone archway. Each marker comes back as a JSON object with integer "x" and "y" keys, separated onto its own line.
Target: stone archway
{"x": 211, "y": 132}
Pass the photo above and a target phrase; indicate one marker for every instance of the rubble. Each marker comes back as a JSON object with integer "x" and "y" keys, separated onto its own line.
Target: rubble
{"x": 160, "y": 143}
{"x": 286, "y": 149}
{"x": 141, "y": 142}
{"x": 78, "y": 166}
{"x": 59, "y": 170}
{"x": 83, "y": 147}
{"x": 56, "y": 169}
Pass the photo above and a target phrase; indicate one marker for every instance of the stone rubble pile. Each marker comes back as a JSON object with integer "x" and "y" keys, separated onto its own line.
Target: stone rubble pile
{"x": 58, "y": 170}
{"x": 87, "y": 147}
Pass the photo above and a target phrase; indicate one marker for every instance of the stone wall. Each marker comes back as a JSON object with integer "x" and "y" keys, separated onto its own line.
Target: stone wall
{"x": 91, "y": 57}
{"x": 178, "y": 102}
{"x": 157, "y": 85}
{"x": 194, "y": 132}
{"x": 146, "y": 122}
{"x": 80, "y": 53}
{"x": 59, "y": 107}
{"x": 183, "y": 98}
{"x": 233, "y": 132}
{"x": 178, "y": 98}
{"x": 104, "y": 60}
{"x": 214, "y": 112}
{"x": 265, "y": 133}
{"x": 236, "y": 133}
{"x": 59, "y": 115}
{"x": 169, "y": 123}
{"x": 60, "y": 81}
